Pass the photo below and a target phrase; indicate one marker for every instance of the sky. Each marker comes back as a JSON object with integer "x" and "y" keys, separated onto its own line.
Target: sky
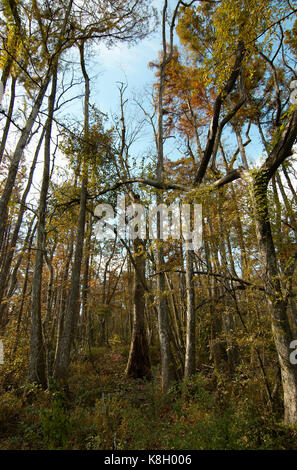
{"x": 107, "y": 67}
{"x": 122, "y": 63}
{"x": 126, "y": 64}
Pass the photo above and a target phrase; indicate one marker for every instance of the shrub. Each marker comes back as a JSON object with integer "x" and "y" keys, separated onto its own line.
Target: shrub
{"x": 55, "y": 423}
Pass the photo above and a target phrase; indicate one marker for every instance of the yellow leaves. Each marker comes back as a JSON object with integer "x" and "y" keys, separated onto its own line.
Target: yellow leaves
{"x": 91, "y": 152}
{"x": 8, "y": 12}
{"x": 115, "y": 340}
{"x": 103, "y": 310}
{"x": 291, "y": 38}
{"x": 12, "y": 49}
{"x": 213, "y": 35}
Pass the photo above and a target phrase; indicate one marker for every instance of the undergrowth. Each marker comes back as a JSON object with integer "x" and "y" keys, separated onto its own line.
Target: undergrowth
{"x": 107, "y": 411}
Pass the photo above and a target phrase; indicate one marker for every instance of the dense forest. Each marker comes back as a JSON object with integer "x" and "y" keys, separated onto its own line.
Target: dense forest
{"x": 115, "y": 333}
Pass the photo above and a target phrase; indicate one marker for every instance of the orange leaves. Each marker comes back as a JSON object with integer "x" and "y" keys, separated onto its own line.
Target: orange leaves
{"x": 184, "y": 97}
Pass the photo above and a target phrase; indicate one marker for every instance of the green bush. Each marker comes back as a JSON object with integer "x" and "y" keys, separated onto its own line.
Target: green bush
{"x": 55, "y": 423}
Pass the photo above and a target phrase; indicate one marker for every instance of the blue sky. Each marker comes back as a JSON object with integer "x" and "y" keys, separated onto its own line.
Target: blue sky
{"x": 123, "y": 63}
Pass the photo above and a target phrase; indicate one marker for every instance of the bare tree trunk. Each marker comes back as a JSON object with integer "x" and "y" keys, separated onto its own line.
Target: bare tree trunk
{"x": 37, "y": 363}
{"x": 49, "y": 311}
{"x": 7, "y": 263}
{"x": 8, "y": 119}
{"x": 139, "y": 365}
{"x": 190, "y": 365}
{"x": 66, "y": 339}
{"x": 85, "y": 287}
{"x": 9, "y": 287}
{"x": 71, "y": 318}
{"x": 218, "y": 347}
{"x": 23, "y": 140}
{"x": 13, "y": 169}
{"x": 176, "y": 321}
{"x": 277, "y": 305}
{"x": 167, "y": 366}
{"x": 289, "y": 183}
{"x": 64, "y": 292}
{"x": 24, "y": 291}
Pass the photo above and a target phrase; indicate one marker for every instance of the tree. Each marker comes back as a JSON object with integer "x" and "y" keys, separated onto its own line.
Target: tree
{"x": 37, "y": 365}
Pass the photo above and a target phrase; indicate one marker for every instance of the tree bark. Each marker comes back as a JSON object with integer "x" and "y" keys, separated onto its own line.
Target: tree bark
{"x": 139, "y": 365}
{"x": 8, "y": 119}
{"x": 13, "y": 169}
{"x": 71, "y": 318}
{"x": 190, "y": 365}
{"x": 277, "y": 304}
{"x": 37, "y": 363}
{"x": 4, "y": 275}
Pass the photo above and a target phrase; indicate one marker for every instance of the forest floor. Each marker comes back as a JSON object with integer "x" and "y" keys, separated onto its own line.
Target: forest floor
{"x": 104, "y": 410}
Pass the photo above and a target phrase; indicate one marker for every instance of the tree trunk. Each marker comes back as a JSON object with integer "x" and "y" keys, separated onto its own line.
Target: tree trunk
{"x": 85, "y": 287}
{"x": 8, "y": 119}
{"x": 66, "y": 339}
{"x": 277, "y": 305}
{"x": 190, "y": 332}
{"x": 167, "y": 365}
{"x": 7, "y": 263}
{"x": 13, "y": 169}
{"x": 37, "y": 363}
{"x": 64, "y": 292}
{"x": 139, "y": 365}
{"x": 71, "y": 318}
